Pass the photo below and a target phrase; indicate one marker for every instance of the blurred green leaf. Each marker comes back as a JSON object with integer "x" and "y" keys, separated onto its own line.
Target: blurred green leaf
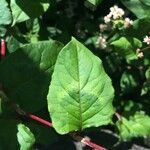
{"x": 13, "y": 44}
{"x": 94, "y": 2}
{"x": 129, "y": 81}
{"x": 146, "y": 85}
{"x": 126, "y": 47}
{"x": 25, "y": 137}
{"x": 135, "y": 29}
{"x": 78, "y": 96}
{"x": 140, "y": 8}
{"x": 27, "y": 9}
{"x": 5, "y": 14}
{"x": 137, "y": 126}
{"x": 31, "y": 68}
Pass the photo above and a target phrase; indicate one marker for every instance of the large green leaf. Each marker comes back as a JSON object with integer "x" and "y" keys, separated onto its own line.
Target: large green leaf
{"x": 5, "y": 14}
{"x": 25, "y": 137}
{"x": 126, "y": 47}
{"x": 140, "y": 8}
{"x": 137, "y": 126}
{"x": 81, "y": 93}
{"x": 23, "y": 10}
{"x": 26, "y": 73}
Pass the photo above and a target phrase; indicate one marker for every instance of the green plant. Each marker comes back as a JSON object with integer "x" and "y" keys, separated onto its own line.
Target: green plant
{"x": 46, "y": 71}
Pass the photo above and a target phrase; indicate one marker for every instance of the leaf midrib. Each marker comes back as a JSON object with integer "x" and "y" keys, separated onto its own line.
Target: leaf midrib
{"x": 79, "y": 94}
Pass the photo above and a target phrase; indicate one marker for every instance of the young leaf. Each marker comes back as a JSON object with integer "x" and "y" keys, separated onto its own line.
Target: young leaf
{"x": 81, "y": 93}
{"x": 137, "y": 126}
{"x": 140, "y": 8}
{"x": 23, "y": 10}
{"x": 30, "y": 70}
{"x": 25, "y": 137}
{"x": 126, "y": 47}
{"x": 5, "y": 14}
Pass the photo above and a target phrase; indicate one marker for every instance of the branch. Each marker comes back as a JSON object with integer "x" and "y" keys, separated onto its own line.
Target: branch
{"x": 40, "y": 120}
{"x": 49, "y": 124}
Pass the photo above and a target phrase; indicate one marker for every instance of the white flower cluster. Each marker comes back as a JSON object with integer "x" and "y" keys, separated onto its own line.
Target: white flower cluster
{"x": 127, "y": 22}
{"x": 147, "y": 40}
{"x": 139, "y": 53}
{"x": 115, "y": 13}
{"x": 103, "y": 27}
{"x": 102, "y": 42}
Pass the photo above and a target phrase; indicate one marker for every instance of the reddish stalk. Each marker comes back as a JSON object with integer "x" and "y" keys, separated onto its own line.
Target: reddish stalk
{"x": 3, "y": 48}
{"x": 76, "y": 137}
{"x": 92, "y": 145}
{"x": 118, "y": 115}
{"x": 42, "y": 121}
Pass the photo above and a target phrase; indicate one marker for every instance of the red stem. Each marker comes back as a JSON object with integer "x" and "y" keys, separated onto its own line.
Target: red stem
{"x": 3, "y": 48}
{"x": 92, "y": 145}
{"x": 42, "y": 121}
{"x": 83, "y": 140}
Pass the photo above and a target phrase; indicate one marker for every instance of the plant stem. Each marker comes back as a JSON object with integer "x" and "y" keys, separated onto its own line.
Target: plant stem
{"x": 118, "y": 115}
{"x": 92, "y": 145}
{"x": 75, "y": 136}
{"x": 3, "y": 48}
{"x": 145, "y": 48}
{"x": 42, "y": 121}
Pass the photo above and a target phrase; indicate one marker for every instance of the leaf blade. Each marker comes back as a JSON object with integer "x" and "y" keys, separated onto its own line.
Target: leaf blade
{"x": 74, "y": 101}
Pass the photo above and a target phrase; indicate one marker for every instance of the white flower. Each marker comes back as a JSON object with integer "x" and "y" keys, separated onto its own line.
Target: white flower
{"x": 107, "y": 19}
{"x": 103, "y": 27}
{"x": 102, "y": 42}
{"x": 147, "y": 40}
{"x": 127, "y": 22}
{"x": 116, "y": 12}
{"x": 139, "y": 53}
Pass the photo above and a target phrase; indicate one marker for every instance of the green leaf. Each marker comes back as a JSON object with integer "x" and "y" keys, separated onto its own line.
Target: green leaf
{"x": 23, "y": 10}
{"x": 94, "y": 2}
{"x": 31, "y": 68}
{"x": 137, "y": 126}
{"x": 140, "y": 8}
{"x": 146, "y": 85}
{"x": 78, "y": 96}
{"x": 135, "y": 29}
{"x": 5, "y": 14}
{"x": 126, "y": 47}
{"x": 13, "y": 44}
{"x": 147, "y": 74}
{"x": 25, "y": 137}
{"x": 129, "y": 81}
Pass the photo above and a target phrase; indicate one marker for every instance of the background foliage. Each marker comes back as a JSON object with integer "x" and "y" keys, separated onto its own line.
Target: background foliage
{"x": 35, "y": 33}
